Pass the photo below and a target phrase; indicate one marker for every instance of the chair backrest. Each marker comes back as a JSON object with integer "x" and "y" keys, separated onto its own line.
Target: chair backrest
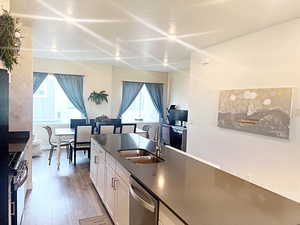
{"x": 128, "y": 128}
{"x": 116, "y": 123}
{"x": 49, "y": 131}
{"x": 165, "y": 134}
{"x": 76, "y": 122}
{"x": 107, "y": 129}
{"x": 147, "y": 129}
{"x": 83, "y": 134}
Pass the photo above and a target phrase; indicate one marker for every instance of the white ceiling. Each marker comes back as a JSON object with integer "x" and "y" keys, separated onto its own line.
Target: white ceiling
{"x": 95, "y": 30}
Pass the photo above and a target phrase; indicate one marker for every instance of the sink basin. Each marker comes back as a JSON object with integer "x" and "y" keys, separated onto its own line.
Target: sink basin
{"x": 133, "y": 153}
{"x": 140, "y": 156}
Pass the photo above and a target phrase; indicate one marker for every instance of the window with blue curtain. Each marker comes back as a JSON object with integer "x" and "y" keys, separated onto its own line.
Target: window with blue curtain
{"x": 51, "y": 105}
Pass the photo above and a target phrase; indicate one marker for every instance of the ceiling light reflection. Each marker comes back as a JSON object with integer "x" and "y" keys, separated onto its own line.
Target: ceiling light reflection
{"x": 161, "y": 182}
{"x": 172, "y": 37}
{"x": 66, "y": 18}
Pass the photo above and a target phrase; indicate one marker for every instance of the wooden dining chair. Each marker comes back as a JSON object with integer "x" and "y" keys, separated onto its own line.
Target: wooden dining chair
{"x": 128, "y": 128}
{"x": 82, "y": 141}
{"x": 53, "y": 144}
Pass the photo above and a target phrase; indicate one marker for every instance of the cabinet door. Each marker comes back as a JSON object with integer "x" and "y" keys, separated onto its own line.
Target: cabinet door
{"x": 101, "y": 175}
{"x": 121, "y": 202}
{"x": 93, "y": 164}
{"x": 110, "y": 192}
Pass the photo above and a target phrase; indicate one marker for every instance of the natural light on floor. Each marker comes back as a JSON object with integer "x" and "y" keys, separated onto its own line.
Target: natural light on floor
{"x": 51, "y": 105}
{"x": 141, "y": 109}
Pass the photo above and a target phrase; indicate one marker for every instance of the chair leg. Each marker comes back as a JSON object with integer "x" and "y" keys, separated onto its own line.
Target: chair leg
{"x": 68, "y": 151}
{"x": 50, "y": 155}
{"x": 74, "y": 157}
{"x": 71, "y": 155}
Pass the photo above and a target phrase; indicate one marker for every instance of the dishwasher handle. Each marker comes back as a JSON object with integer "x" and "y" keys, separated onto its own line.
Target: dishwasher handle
{"x": 140, "y": 200}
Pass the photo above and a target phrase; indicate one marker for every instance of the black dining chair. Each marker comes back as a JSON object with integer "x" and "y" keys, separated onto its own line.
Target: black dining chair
{"x": 82, "y": 141}
{"x": 115, "y": 123}
{"x": 107, "y": 128}
{"x": 147, "y": 128}
{"x": 77, "y": 122}
{"x": 128, "y": 128}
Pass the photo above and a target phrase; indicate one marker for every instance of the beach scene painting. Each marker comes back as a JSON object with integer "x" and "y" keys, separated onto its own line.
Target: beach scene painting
{"x": 265, "y": 111}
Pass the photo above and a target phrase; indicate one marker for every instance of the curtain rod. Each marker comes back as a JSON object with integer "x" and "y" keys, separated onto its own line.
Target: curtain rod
{"x": 61, "y": 74}
{"x": 142, "y": 82}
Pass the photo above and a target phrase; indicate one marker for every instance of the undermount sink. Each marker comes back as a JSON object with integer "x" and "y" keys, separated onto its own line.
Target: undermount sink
{"x": 139, "y": 156}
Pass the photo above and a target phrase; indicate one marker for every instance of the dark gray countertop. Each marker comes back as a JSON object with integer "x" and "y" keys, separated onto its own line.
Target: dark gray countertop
{"x": 18, "y": 140}
{"x": 201, "y": 194}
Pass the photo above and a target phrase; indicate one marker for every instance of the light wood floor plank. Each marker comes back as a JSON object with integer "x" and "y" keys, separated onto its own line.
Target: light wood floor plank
{"x": 61, "y": 197}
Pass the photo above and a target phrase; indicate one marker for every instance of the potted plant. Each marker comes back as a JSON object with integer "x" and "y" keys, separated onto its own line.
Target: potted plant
{"x": 98, "y": 97}
{"x": 10, "y": 40}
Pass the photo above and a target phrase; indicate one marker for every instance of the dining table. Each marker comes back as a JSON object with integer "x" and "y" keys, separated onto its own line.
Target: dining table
{"x": 68, "y": 133}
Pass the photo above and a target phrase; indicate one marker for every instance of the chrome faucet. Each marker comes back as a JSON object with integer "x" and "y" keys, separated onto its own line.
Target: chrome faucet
{"x": 158, "y": 149}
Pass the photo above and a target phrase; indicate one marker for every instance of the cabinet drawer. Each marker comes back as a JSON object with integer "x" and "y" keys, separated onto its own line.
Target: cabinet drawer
{"x": 122, "y": 173}
{"x": 110, "y": 161}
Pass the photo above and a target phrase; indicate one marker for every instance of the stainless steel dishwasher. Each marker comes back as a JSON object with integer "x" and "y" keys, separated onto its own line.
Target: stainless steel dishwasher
{"x": 143, "y": 206}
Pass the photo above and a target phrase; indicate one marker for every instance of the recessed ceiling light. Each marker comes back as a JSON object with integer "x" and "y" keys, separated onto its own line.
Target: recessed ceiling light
{"x": 117, "y": 58}
{"x": 165, "y": 63}
{"x": 69, "y": 19}
{"x": 172, "y": 37}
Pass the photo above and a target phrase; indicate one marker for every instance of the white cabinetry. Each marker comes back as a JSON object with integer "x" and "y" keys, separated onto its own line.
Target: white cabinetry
{"x": 100, "y": 181}
{"x": 112, "y": 183}
{"x": 122, "y": 202}
{"x": 109, "y": 199}
{"x": 93, "y": 163}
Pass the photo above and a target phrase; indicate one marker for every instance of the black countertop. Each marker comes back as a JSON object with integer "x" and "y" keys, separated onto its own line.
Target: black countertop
{"x": 201, "y": 194}
{"x": 18, "y": 140}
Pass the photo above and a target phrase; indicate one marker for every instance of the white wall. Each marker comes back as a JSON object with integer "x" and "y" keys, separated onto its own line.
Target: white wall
{"x": 124, "y": 74}
{"x": 265, "y": 59}
{"x": 5, "y": 4}
{"x": 179, "y": 89}
{"x": 20, "y": 94}
{"x": 97, "y": 77}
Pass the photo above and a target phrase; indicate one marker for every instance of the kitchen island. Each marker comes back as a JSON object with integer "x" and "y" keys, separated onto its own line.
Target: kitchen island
{"x": 199, "y": 193}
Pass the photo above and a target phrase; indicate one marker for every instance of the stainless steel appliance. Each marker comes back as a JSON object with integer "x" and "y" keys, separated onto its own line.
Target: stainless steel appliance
{"x": 143, "y": 206}
{"x": 18, "y": 173}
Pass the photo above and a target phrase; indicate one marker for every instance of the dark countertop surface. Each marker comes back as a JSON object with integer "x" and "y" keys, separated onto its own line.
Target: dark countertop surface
{"x": 201, "y": 194}
{"x": 18, "y": 141}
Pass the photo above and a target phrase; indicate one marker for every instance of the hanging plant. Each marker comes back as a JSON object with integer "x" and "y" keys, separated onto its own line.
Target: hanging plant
{"x": 98, "y": 97}
{"x": 10, "y": 40}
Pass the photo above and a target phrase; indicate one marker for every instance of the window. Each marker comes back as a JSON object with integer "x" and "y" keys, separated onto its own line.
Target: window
{"x": 142, "y": 109}
{"x": 41, "y": 92}
{"x": 51, "y": 105}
